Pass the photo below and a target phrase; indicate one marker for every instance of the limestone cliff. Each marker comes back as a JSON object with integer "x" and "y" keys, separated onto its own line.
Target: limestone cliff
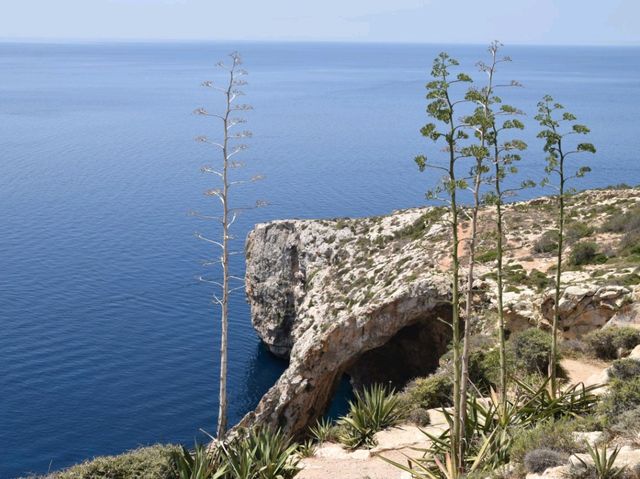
{"x": 366, "y": 296}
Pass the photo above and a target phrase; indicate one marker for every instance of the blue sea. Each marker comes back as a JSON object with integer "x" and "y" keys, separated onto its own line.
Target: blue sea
{"x": 107, "y": 339}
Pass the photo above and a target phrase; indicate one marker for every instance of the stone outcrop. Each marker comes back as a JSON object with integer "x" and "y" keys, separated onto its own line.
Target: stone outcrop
{"x": 343, "y": 296}
{"x": 365, "y": 297}
{"x": 585, "y": 308}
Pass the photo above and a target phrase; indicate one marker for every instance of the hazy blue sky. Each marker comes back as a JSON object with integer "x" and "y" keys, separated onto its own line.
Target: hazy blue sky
{"x": 476, "y": 21}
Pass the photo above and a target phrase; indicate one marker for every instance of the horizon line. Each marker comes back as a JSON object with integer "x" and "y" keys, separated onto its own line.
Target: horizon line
{"x": 86, "y": 41}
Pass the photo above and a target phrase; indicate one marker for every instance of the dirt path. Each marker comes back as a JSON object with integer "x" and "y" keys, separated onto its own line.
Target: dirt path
{"x": 581, "y": 371}
{"x": 331, "y": 461}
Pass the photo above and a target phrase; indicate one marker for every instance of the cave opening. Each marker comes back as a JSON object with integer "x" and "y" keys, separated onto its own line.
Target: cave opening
{"x": 413, "y": 352}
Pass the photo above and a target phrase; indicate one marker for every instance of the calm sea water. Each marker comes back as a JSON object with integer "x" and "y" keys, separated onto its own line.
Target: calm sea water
{"x": 107, "y": 341}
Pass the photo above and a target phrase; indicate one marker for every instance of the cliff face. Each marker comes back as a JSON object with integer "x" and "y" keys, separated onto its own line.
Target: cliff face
{"x": 366, "y": 296}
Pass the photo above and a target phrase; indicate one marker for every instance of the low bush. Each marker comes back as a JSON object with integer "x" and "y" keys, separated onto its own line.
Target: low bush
{"x": 623, "y": 395}
{"x": 539, "y": 460}
{"x": 551, "y": 435}
{"x": 487, "y": 256}
{"x": 429, "y": 392}
{"x": 626, "y": 368}
{"x": 626, "y": 425}
{"x": 538, "y": 280}
{"x": 576, "y": 231}
{"x": 629, "y": 221}
{"x": 573, "y": 348}
{"x": 610, "y": 343}
{"x": 586, "y": 253}
{"x": 154, "y": 462}
{"x": 419, "y": 416}
{"x": 547, "y": 243}
{"x": 532, "y": 349}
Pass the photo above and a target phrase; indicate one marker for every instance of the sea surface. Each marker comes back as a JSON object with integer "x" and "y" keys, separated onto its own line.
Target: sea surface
{"x": 107, "y": 339}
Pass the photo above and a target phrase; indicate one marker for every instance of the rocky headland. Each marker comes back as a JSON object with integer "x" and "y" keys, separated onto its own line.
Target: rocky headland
{"x": 367, "y": 297}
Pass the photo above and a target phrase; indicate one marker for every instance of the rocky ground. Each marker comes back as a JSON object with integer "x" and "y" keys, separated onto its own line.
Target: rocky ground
{"x": 365, "y": 296}
{"x": 404, "y": 442}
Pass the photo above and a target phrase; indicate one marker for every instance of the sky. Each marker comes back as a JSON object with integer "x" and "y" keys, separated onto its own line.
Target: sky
{"x": 539, "y": 22}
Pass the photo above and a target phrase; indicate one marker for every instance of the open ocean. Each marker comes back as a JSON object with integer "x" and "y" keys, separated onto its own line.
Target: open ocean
{"x": 107, "y": 341}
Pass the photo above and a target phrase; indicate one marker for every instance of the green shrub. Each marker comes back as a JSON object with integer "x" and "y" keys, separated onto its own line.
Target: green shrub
{"x": 608, "y": 343}
{"x": 554, "y": 435}
{"x": 573, "y": 348}
{"x": 576, "y": 231}
{"x": 419, "y": 416}
{"x": 629, "y": 221}
{"x": 154, "y": 462}
{"x": 626, "y": 425}
{"x": 538, "y": 279}
{"x": 602, "y": 464}
{"x": 623, "y": 395}
{"x": 532, "y": 349}
{"x": 626, "y": 368}
{"x": 373, "y": 409}
{"x": 586, "y": 253}
{"x": 262, "y": 453}
{"x": 539, "y": 460}
{"x": 547, "y": 243}
{"x": 199, "y": 464}
{"x": 487, "y": 256}
{"x": 430, "y": 392}
{"x": 322, "y": 430}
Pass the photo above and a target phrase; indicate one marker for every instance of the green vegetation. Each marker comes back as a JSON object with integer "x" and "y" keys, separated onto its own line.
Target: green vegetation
{"x": 577, "y": 231}
{"x": 198, "y": 465}
{"x": 549, "y": 434}
{"x": 624, "y": 369}
{"x": 539, "y": 460}
{"x": 603, "y": 462}
{"x": 586, "y": 253}
{"x": 558, "y": 127}
{"x": 611, "y": 343}
{"x": 547, "y": 242}
{"x": 429, "y": 392}
{"x": 373, "y": 410}
{"x": 497, "y": 433}
{"x": 532, "y": 350}
{"x": 145, "y": 463}
{"x": 623, "y": 395}
{"x": 261, "y": 454}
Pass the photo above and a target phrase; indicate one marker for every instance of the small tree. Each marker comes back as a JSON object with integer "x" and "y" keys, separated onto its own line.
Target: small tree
{"x": 229, "y": 146}
{"x": 442, "y": 107}
{"x": 556, "y": 133}
{"x": 492, "y": 120}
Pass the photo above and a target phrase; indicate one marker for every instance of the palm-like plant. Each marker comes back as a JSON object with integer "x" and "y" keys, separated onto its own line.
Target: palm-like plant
{"x": 262, "y": 453}
{"x": 603, "y": 463}
{"x": 373, "y": 409}
{"x": 199, "y": 464}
